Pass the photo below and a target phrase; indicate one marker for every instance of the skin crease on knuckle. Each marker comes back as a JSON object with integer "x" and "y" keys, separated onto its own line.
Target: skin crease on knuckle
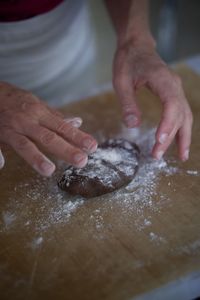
{"x": 68, "y": 131}
{"x": 21, "y": 143}
{"x": 29, "y": 106}
{"x": 63, "y": 128}
{"x": 47, "y": 137}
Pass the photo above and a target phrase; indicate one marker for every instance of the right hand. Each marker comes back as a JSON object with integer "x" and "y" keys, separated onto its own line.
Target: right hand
{"x": 27, "y": 123}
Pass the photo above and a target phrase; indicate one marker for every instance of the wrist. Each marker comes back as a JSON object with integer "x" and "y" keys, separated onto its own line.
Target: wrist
{"x": 138, "y": 39}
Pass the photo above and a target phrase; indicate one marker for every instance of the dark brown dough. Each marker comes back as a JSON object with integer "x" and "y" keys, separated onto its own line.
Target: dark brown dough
{"x": 112, "y": 166}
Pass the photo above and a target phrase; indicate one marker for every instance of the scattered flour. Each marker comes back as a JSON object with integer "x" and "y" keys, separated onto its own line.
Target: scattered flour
{"x": 8, "y": 218}
{"x": 192, "y": 172}
{"x": 42, "y": 198}
{"x": 192, "y": 248}
{"x": 141, "y": 198}
{"x": 156, "y": 238}
{"x": 142, "y": 192}
{"x": 112, "y": 156}
{"x": 36, "y": 243}
{"x": 70, "y": 207}
{"x": 147, "y": 222}
{"x": 124, "y": 158}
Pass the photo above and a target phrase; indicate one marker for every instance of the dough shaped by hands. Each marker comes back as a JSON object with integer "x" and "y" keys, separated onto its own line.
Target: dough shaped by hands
{"x": 113, "y": 165}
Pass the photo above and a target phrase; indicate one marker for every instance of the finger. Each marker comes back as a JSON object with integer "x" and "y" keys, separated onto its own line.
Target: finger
{"x": 30, "y": 153}
{"x": 75, "y": 122}
{"x": 159, "y": 149}
{"x": 168, "y": 88}
{"x": 56, "y": 145}
{"x": 126, "y": 95}
{"x": 167, "y": 129}
{"x": 73, "y": 135}
{"x": 2, "y": 160}
{"x": 184, "y": 140}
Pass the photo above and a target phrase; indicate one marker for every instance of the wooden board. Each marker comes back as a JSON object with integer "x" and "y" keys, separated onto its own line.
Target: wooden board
{"x": 53, "y": 246}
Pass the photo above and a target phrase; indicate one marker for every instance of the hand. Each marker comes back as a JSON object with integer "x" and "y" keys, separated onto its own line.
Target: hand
{"x": 137, "y": 65}
{"x": 26, "y": 123}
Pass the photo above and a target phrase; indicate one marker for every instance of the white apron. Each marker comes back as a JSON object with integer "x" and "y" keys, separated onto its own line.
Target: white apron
{"x": 46, "y": 53}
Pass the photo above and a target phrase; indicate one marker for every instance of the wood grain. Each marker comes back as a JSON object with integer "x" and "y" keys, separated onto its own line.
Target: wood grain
{"x": 99, "y": 251}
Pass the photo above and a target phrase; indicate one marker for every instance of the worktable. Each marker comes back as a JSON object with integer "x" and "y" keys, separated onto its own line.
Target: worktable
{"x": 136, "y": 243}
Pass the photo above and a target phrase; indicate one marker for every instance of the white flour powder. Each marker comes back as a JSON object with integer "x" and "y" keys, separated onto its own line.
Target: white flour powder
{"x": 42, "y": 197}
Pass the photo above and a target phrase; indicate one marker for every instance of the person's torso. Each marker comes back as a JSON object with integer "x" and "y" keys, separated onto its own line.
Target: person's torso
{"x": 47, "y": 52}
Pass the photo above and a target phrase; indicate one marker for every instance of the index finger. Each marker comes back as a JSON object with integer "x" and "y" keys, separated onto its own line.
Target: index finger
{"x": 70, "y": 133}
{"x": 168, "y": 88}
{"x": 127, "y": 98}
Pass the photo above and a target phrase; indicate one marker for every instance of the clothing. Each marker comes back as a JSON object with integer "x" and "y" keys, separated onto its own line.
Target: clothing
{"x": 16, "y": 10}
{"x": 45, "y": 53}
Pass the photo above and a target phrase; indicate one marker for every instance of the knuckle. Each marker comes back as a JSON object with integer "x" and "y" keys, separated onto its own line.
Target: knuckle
{"x": 17, "y": 121}
{"x": 30, "y": 102}
{"x": 189, "y": 117}
{"x": 22, "y": 143}
{"x": 181, "y": 133}
{"x": 63, "y": 127}
{"x": 177, "y": 80}
{"x": 66, "y": 129}
{"x": 47, "y": 138}
{"x": 177, "y": 107}
{"x": 159, "y": 72}
{"x": 13, "y": 120}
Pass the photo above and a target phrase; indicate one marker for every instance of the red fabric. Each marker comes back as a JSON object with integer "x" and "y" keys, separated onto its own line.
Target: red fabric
{"x": 16, "y": 10}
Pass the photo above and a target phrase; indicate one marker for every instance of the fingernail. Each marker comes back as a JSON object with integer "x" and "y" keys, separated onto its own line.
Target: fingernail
{"x": 2, "y": 160}
{"x": 186, "y": 155}
{"x": 76, "y": 122}
{"x": 80, "y": 160}
{"x": 46, "y": 168}
{"x": 90, "y": 145}
{"x": 159, "y": 154}
{"x": 163, "y": 137}
{"x": 131, "y": 120}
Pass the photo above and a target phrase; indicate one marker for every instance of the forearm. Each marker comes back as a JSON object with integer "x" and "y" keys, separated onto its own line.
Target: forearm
{"x": 131, "y": 20}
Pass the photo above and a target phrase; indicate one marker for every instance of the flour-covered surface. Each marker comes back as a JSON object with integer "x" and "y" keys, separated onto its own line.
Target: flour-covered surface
{"x": 49, "y": 223}
{"x": 41, "y": 205}
{"x": 55, "y": 207}
{"x": 113, "y": 247}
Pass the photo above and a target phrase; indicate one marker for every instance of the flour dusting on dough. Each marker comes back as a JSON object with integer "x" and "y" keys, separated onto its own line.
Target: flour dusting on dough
{"x": 112, "y": 165}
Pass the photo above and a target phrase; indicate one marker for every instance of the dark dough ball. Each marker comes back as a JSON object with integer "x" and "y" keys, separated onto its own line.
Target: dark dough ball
{"x": 112, "y": 166}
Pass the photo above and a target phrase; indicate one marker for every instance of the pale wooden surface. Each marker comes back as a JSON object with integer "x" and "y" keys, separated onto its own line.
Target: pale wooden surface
{"x": 98, "y": 252}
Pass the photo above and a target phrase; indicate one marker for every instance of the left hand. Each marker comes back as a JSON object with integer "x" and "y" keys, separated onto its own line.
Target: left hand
{"x": 137, "y": 65}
